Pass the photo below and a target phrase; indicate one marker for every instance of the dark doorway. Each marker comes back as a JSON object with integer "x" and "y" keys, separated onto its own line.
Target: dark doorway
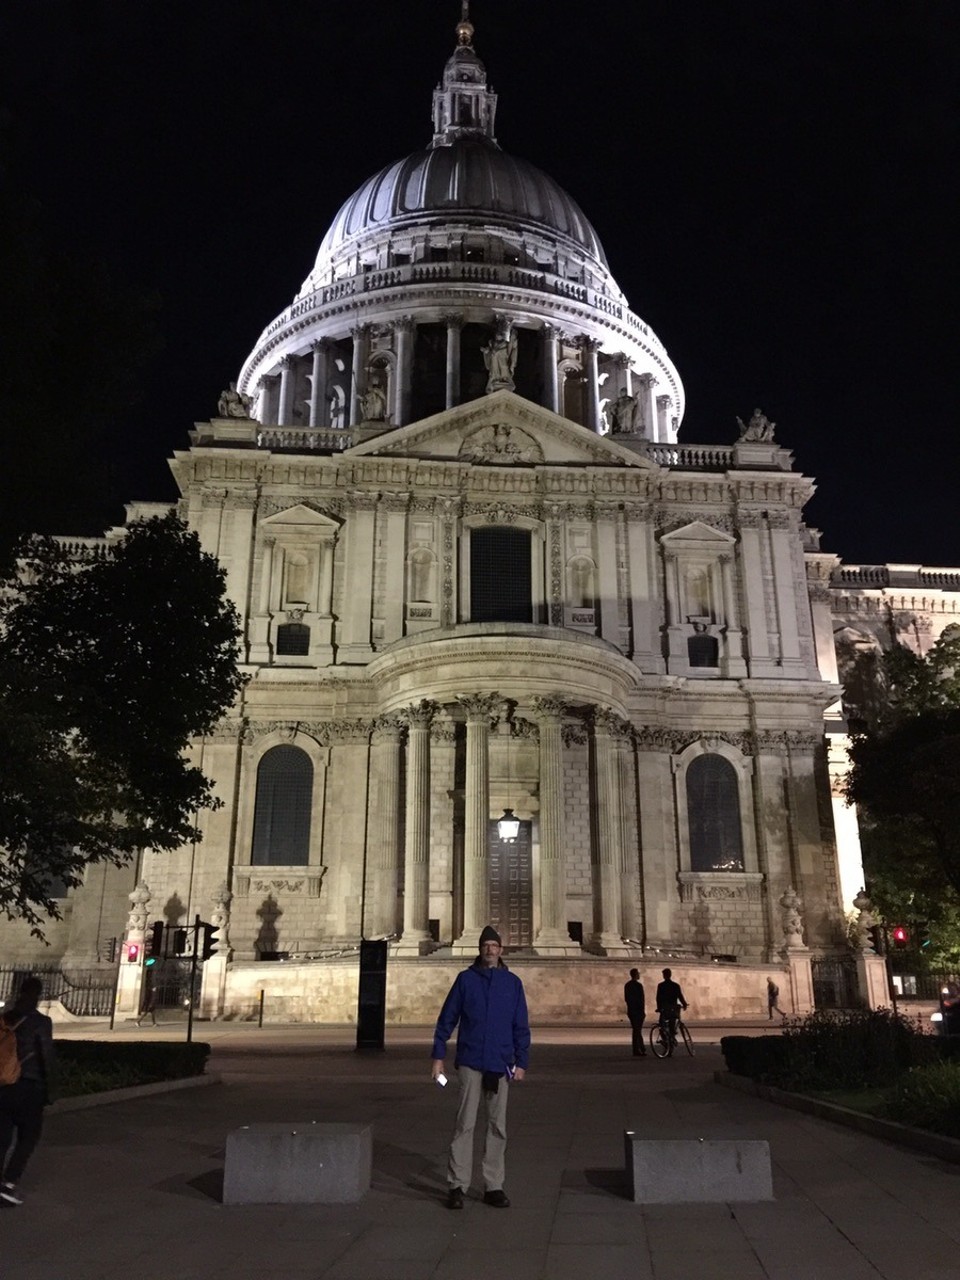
{"x": 501, "y": 586}
{"x": 511, "y": 886}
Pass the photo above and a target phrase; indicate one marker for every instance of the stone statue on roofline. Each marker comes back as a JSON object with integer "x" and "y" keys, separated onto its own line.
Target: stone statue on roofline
{"x": 500, "y": 357}
{"x": 624, "y": 414}
{"x": 233, "y": 403}
{"x": 759, "y": 428}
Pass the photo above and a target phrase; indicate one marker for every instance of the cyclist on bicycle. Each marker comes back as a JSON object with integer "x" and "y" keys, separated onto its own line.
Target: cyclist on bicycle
{"x": 669, "y": 1003}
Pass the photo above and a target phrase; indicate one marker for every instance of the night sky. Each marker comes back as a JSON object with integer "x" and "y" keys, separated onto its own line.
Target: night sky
{"x": 775, "y": 185}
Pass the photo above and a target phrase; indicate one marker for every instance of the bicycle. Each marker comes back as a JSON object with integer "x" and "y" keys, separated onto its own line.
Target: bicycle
{"x": 662, "y": 1044}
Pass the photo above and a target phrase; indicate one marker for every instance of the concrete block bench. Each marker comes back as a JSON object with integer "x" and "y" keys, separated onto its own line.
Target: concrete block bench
{"x": 683, "y": 1170}
{"x": 298, "y": 1163}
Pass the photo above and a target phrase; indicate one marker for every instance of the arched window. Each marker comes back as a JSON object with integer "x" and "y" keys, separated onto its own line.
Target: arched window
{"x": 713, "y": 813}
{"x": 281, "y": 818}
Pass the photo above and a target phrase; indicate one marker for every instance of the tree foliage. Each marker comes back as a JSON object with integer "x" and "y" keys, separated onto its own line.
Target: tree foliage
{"x": 905, "y": 778}
{"x": 108, "y": 669}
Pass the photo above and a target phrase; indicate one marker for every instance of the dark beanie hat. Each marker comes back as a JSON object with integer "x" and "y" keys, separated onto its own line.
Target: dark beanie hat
{"x": 489, "y": 935}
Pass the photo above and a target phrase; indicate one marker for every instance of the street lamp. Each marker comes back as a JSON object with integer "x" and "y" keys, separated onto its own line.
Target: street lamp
{"x": 508, "y": 826}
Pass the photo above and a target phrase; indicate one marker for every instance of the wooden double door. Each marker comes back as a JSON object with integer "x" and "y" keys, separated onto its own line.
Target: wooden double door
{"x": 511, "y": 886}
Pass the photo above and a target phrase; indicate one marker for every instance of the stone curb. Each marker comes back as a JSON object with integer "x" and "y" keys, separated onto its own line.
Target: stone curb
{"x": 932, "y": 1144}
{"x": 131, "y": 1092}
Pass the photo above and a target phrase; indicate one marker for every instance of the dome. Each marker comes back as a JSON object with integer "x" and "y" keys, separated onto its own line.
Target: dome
{"x": 471, "y": 179}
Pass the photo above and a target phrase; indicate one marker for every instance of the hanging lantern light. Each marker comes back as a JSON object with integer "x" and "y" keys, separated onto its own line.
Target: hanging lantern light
{"x": 508, "y": 826}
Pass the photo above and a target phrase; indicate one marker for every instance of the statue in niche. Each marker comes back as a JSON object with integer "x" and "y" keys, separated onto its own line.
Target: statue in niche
{"x": 624, "y": 414}
{"x": 233, "y": 403}
{"x": 758, "y": 428}
{"x": 500, "y": 357}
{"x": 373, "y": 403}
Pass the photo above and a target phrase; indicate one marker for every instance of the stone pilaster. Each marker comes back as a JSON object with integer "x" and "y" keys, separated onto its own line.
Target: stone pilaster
{"x": 416, "y": 860}
{"x": 606, "y": 938}
{"x": 380, "y": 913}
{"x": 476, "y": 859}
{"x": 454, "y": 325}
{"x": 403, "y": 338}
{"x": 320, "y": 376}
{"x": 552, "y": 937}
{"x": 551, "y": 382}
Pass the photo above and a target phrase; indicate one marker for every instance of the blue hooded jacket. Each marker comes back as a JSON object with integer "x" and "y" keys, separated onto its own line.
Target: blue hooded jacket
{"x": 491, "y": 1010}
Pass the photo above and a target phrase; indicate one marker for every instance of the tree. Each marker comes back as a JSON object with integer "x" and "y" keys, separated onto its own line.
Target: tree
{"x": 108, "y": 669}
{"x": 905, "y": 778}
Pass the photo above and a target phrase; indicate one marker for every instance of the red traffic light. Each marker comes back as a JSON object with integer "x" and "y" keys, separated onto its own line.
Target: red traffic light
{"x": 899, "y": 935}
{"x": 133, "y": 952}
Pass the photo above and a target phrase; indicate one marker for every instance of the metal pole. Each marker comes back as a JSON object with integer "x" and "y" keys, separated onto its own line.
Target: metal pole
{"x": 889, "y": 966}
{"x": 116, "y": 987}
{"x": 260, "y": 1018}
{"x": 193, "y": 977}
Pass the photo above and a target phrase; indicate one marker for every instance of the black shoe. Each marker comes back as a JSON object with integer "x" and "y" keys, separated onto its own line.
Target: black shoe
{"x": 455, "y": 1198}
{"x": 9, "y": 1194}
{"x": 496, "y": 1199}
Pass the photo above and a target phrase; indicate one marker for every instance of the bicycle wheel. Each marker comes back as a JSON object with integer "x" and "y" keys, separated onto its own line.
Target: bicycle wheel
{"x": 660, "y": 1042}
{"x": 687, "y": 1038}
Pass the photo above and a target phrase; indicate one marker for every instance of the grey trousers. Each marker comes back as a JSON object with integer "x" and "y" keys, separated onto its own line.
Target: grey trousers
{"x": 460, "y": 1167}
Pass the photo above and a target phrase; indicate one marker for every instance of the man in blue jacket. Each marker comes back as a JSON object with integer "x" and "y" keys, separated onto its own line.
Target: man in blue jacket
{"x": 493, "y": 1044}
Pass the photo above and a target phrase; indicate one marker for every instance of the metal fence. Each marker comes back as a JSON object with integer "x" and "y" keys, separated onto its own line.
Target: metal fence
{"x": 834, "y": 984}
{"x": 87, "y": 993}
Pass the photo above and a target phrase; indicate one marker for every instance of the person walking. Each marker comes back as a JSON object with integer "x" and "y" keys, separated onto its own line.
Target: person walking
{"x": 22, "y": 1100}
{"x": 488, "y": 1005}
{"x": 636, "y": 1011}
{"x": 669, "y": 1003}
{"x": 773, "y": 999}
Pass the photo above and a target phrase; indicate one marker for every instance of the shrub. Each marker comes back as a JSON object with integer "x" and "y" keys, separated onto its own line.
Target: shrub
{"x": 928, "y": 1098}
{"x": 759, "y": 1057}
{"x": 850, "y": 1049}
{"x": 93, "y": 1066}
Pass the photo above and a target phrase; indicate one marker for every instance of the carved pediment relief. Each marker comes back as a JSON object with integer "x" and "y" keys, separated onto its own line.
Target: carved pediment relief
{"x": 501, "y": 429}
{"x": 501, "y": 444}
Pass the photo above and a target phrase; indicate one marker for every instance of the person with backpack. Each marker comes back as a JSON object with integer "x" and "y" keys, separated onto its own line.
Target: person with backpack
{"x": 26, "y": 1071}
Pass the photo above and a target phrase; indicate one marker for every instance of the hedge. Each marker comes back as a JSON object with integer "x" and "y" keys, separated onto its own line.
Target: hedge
{"x": 93, "y": 1066}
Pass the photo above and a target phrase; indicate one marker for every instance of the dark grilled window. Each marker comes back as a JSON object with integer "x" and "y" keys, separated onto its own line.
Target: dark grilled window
{"x": 293, "y": 638}
{"x": 713, "y": 813}
{"x": 703, "y": 651}
{"x": 281, "y": 820}
{"x": 500, "y": 577}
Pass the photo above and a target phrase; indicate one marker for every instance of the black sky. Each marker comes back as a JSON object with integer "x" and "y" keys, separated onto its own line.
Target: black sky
{"x": 775, "y": 184}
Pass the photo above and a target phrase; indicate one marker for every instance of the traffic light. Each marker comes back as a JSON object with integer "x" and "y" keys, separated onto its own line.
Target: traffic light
{"x": 154, "y": 943}
{"x": 133, "y": 952}
{"x": 179, "y": 942}
{"x": 211, "y": 941}
{"x": 900, "y": 935}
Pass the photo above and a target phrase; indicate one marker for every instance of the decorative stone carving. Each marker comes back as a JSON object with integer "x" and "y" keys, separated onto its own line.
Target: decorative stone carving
{"x": 139, "y": 911}
{"x": 720, "y": 886}
{"x": 864, "y": 922}
{"x": 500, "y": 356}
{"x": 573, "y": 735}
{"x": 784, "y": 739}
{"x": 373, "y": 402}
{"x": 791, "y": 919}
{"x": 758, "y": 428}
{"x": 421, "y": 713}
{"x": 220, "y": 915}
{"x": 387, "y": 729}
{"x": 623, "y": 414}
{"x": 608, "y": 722}
{"x": 251, "y": 880}
{"x": 343, "y": 731}
{"x": 480, "y": 706}
{"x": 233, "y": 403}
{"x": 502, "y": 445}
{"x": 548, "y": 707}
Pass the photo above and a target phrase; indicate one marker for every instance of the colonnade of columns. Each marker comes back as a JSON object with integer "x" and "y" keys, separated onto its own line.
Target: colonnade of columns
{"x": 611, "y": 870}
{"x": 279, "y": 391}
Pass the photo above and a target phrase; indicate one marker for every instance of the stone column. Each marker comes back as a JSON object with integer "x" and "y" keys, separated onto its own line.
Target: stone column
{"x": 454, "y": 326}
{"x": 403, "y": 337}
{"x": 551, "y": 376}
{"x": 552, "y": 936}
{"x": 380, "y": 914}
{"x": 590, "y": 347}
{"x": 288, "y": 383}
{"x": 130, "y": 977}
{"x": 733, "y": 662}
{"x": 625, "y": 366}
{"x": 476, "y": 859}
{"x": 648, "y": 398}
{"x": 630, "y": 914}
{"x": 606, "y": 939}
{"x": 664, "y": 404}
{"x": 358, "y": 372}
{"x": 320, "y": 376}
{"x": 416, "y": 857}
{"x": 269, "y": 399}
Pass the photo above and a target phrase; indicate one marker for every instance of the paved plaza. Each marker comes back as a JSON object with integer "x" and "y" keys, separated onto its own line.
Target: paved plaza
{"x": 132, "y": 1189}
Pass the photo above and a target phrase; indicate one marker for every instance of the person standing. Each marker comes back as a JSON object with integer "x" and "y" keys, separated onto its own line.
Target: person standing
{"x": 488, "y": 1005}
{"x": 773, "y": 999}
{"x": 636, "y": 1011}
{"x": 22, "y": 1102}
{"x": 669, "y": 1003}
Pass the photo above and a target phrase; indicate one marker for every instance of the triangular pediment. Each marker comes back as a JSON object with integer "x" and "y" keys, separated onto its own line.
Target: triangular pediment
{"x": 500, "y": 429}
{"x": 299, "y": 516}
{"x": 697, "y": 534}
